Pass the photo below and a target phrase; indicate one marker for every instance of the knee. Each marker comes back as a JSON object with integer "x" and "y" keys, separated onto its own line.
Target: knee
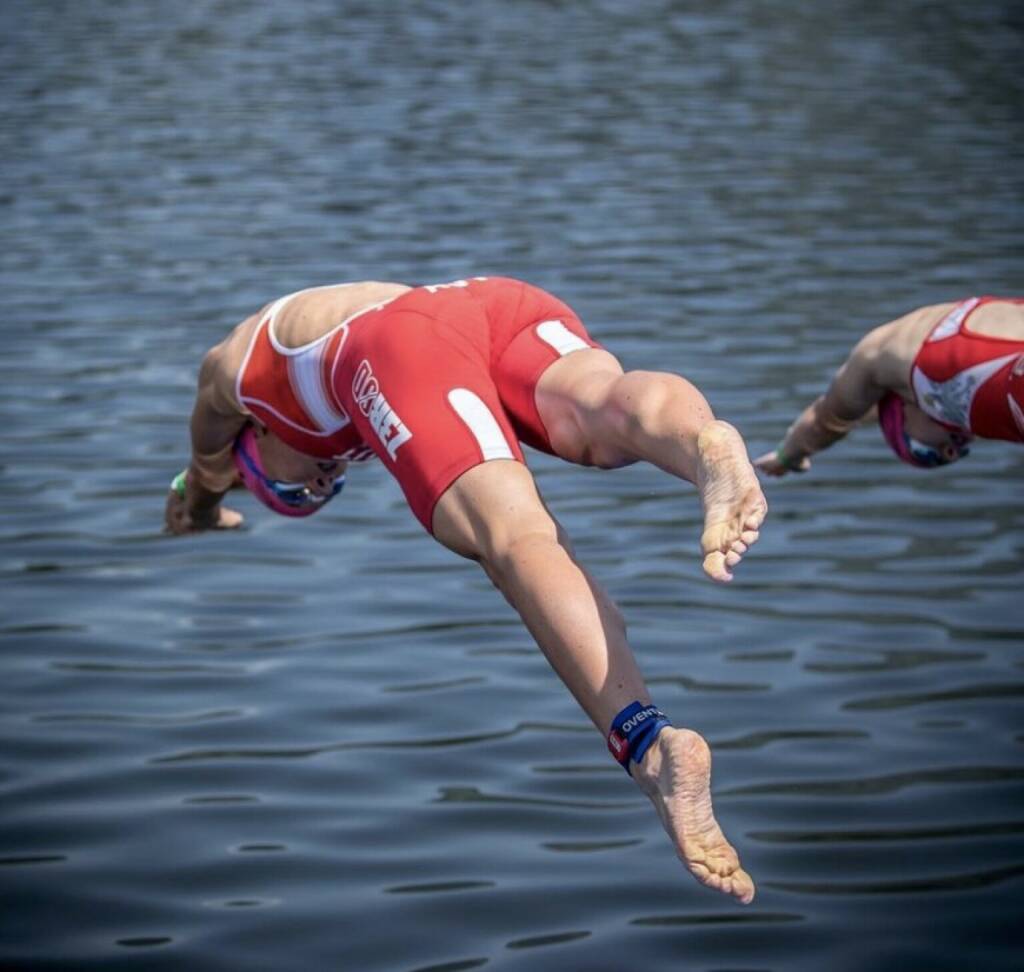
{"x": 513, "y": 541}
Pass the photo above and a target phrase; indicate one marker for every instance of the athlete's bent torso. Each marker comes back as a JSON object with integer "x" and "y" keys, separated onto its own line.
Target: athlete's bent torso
{"x": 969, "y": 381}
{"x": 432, "y": 380}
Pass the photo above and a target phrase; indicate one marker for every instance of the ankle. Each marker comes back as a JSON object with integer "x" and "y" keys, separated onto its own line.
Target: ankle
{"x": 647, "y": 772}
{"x": 675, "y": 753}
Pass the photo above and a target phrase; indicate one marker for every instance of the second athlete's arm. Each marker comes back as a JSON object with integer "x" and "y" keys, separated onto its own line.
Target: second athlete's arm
{"x": 850, "y": 396}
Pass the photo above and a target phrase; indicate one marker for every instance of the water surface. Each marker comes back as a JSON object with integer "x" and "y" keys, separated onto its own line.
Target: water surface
{"x": 330, "y": 744}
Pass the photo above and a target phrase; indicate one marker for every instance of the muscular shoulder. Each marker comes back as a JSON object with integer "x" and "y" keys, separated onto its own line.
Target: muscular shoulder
{"x": 310, "y": 313}
{"x": 999, "y": 318}
{"x": 888, "y": 351}
{"x": 221, "y": 364}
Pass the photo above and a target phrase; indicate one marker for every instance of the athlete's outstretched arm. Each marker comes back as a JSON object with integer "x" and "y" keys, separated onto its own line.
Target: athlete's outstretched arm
{"x": 216, "y": 421}
{"x": 853, "y": 392}
{"x": 494, "y": 515}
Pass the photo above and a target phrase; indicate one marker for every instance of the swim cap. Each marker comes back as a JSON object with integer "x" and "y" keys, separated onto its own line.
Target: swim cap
{"x": 288, "y": 499}
{"x": 923, "y": 456}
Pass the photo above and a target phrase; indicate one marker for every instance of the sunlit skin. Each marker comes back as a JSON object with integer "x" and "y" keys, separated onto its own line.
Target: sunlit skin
{"x": 594, "y": 414}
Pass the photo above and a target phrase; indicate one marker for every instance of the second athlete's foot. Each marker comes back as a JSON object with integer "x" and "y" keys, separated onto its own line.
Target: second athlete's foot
{"x": 676, "y": 776}
{"x": 734, "y": 505}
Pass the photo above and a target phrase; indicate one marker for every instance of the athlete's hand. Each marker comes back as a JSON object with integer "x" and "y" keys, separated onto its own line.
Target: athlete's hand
{"x": 179, "y": 521}
{"x": 772, "y": 465}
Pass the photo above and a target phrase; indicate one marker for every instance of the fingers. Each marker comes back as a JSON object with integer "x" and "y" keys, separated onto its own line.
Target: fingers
{"x": 769, "y": 465}
{"x": 174, "y": 510}
{"x": 178, "y": 521}
{"x": 229, "y": 519}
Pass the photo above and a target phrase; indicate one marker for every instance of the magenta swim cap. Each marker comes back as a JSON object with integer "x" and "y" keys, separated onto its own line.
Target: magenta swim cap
{"x": 892, "y": 420}
{"x": 287, "y": 499}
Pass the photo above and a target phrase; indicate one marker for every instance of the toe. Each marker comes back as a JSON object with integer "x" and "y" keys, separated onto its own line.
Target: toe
{"x": 714, "y": 566}
{"x": 743, "y": 887}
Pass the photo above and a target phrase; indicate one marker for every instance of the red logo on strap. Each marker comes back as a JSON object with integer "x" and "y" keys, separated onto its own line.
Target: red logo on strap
{"x": 618, "y": 746}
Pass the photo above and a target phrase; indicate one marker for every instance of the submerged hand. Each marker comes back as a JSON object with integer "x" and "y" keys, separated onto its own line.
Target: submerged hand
{"x": 771, "y": 464}
{"x": 179, "y": 521}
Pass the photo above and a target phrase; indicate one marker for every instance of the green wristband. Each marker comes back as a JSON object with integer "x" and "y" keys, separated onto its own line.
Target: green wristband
{"x": 786, "y": 462}
{"x": 178, "y": 484}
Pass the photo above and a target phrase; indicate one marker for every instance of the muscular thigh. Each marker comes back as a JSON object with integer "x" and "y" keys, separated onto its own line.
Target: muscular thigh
{"x": 572, "y": 398}
{"x": 488, "y": 508}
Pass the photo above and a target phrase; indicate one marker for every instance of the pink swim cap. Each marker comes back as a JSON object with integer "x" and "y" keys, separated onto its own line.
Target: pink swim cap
{"x": 890, "y": 418}
{"x": 269, "y": 491}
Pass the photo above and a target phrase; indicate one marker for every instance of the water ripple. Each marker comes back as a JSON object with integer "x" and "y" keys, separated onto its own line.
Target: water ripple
{"x": 435, "y": 686}
{"x": 459, "y": 965}
{"x": 890, "y": 660}
{"x": 718, "y": 918}
{"x": 31, "y": 859}
{"x": 589, "y": 846}
{"x": 892, "y": 783}
{"x": 965, "y": 693}
{"x": 148, "y": 669}
{"x": 888, "y": 834}
{"x": 440, "y": 887}
{"x": 150, "y": 719}
{"x": 305, "y": 752}
{"x": 470, "y": 794}
{"x": 696, "y": 685}
{"x": 942, "y": 883}
{"x": 757, "y": 740}
{"x": 543, "y": 941}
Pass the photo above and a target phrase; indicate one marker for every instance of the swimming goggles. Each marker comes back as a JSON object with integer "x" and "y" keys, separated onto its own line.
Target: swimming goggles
{"x": 930, "y": 456}
{"x": 291, "y": 494}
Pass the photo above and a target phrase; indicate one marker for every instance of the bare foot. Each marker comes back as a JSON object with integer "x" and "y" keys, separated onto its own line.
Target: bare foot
{"x": 676, "y": 776}
{"x": 734, "y": 506}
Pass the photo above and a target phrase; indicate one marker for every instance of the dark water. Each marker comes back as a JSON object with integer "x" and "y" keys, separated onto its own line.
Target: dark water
{"x": 329, "y": 744}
